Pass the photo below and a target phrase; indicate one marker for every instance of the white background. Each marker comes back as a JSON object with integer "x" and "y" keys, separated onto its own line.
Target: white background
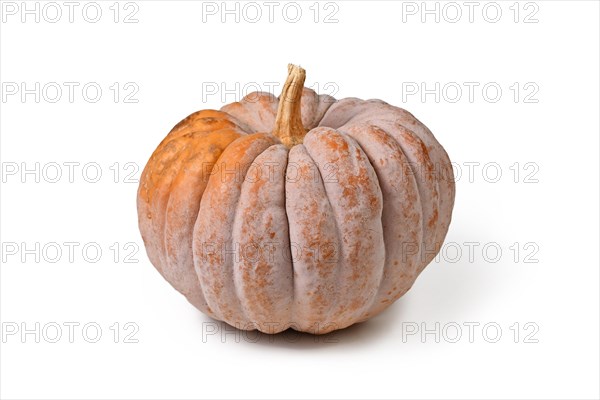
{"x": 375, "y": 50}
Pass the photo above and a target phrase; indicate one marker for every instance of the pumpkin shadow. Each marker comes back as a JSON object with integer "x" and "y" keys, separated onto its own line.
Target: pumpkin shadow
{"x": 457, "y": 289}
{"x": 363, "y": 333}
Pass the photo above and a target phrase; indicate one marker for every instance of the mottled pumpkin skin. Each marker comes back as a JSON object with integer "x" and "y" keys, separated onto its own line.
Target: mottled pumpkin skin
{"x": 316, "y": 237}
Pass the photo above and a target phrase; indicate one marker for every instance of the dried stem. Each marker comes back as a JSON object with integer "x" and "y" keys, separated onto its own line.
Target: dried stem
{"x": 288, "y": 123}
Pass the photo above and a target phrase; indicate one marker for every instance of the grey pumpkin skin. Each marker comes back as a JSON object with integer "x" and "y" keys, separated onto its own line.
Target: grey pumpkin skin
{"x": 331, "y": 208}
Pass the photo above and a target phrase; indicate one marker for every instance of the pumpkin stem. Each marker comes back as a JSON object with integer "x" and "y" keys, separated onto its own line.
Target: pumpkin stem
{"x": 288, "y": 123}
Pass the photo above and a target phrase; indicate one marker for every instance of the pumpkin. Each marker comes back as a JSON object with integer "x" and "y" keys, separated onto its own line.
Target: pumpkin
{"x": 300, "y": 212}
